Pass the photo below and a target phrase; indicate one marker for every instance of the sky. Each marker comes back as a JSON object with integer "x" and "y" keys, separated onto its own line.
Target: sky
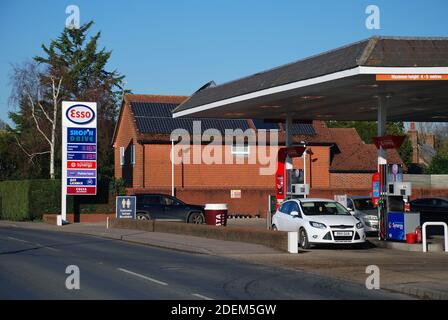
{"x": 176, "y": 46}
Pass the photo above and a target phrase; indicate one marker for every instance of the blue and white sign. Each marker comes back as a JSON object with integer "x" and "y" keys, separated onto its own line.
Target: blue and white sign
{"x": 126, "y": 207}
{"x": 79, "y": 173}
{"x": 81, "y": 148}
{"x": 81, "y": 182}
{"x": 80, "y": 135}
{"x": 395, "y": 226}
{"x": 81, "y": 156}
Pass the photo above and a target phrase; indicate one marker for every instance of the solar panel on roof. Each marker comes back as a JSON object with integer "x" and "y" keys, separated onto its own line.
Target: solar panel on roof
{"x": 261, "y": 124}
{"x": 303, "y": 129}
{"x": 156, "y": 118}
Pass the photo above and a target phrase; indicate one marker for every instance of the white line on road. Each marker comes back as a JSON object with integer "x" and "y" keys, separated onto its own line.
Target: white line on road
{"x": 12, "y": 238}
{"x": 45, "y": 247}
{"x": 144, "y": 277}
{"x": 201, "y": 296}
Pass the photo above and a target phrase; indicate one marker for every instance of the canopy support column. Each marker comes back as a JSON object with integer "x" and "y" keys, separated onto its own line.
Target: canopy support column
{"x": 382, "y": 118}
{"x": 288, "y": 143}
{"x": 288, "y": 133}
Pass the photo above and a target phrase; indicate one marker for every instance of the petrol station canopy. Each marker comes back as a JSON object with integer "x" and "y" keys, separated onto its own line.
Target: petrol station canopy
{"x": 342, "y": 84}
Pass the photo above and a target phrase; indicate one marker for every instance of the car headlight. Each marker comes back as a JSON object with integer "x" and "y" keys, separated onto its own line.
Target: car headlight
{"x": 371, "y": 217}
{"x": 359, "y": 225}
{"x": 317, "y": 225}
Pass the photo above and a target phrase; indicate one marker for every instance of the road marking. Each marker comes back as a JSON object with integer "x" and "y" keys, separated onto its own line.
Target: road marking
{"x": 201, "y": 296}
{"x": 12, "y": 238}
{"x": 144, "y": 277}
{"x": 45, "y": 247}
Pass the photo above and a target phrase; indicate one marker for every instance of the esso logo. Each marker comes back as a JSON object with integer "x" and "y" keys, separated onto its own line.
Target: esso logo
{"x": 80, "y": 114}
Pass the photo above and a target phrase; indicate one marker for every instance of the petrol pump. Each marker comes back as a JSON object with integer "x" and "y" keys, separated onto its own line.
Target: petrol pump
{"x": 391, "y": 195}
{"x": 290, "y": 182}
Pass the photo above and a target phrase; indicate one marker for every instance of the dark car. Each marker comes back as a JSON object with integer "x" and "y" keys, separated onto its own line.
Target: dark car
{"x": 169, "y": 208}
{"x": 431, "y": 209}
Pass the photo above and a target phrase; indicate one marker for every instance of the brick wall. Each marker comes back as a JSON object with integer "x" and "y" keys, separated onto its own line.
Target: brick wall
{"x": 247, "y": 174}
{"x": 126, "y": 136}
{"x": 350, "y": 180}
{"x": 318, "y": 165}
{"x": 253, "y": 201}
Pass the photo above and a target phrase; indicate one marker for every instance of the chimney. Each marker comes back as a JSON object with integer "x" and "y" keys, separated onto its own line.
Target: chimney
{"x": 413, "y": 137}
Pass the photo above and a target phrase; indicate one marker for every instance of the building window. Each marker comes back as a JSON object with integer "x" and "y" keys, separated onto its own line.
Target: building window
{"x": 239, "y": 150}
{"x": 121, "y": 156}
{"x": 133, "y": 154}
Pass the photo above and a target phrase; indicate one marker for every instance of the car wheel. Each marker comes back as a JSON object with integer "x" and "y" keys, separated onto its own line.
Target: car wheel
{"x": 196, "y": 218}
{"x": 142, "y": 217}
{"x": 274, "y": 227}
{"x": 303, "y": 239}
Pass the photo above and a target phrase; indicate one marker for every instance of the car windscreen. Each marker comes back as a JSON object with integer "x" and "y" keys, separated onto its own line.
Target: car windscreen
{"x": 323, "y": 208}
{"x": 364, "y": 204}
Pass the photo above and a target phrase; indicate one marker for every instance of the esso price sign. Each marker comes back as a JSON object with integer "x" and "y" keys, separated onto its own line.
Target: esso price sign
{"x": 80, "y": 114}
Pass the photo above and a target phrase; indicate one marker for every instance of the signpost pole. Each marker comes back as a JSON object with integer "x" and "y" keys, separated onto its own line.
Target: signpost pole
{"x": 172, "y": 168}
{"x": 382, "y": 116}
{"x": 64, "y": 175}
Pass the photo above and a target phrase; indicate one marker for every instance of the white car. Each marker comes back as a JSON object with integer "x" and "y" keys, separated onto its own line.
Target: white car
{"x": 318, "y": 221}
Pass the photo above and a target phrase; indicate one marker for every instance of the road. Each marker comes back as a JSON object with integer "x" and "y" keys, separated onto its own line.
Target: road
{"x": 33, "y": 265}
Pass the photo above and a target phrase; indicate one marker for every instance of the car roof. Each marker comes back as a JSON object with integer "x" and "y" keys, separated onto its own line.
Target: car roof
{"x": 429, "y": 198}
{"x": 313, "y": 200}
{"x": 153, "y": 194}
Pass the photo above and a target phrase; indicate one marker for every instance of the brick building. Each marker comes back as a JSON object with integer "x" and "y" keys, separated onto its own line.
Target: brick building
{"x": 337, "y": 160}
{"x": 423, "y": 146}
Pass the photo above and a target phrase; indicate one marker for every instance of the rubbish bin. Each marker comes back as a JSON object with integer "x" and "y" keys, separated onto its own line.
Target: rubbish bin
{"x": 216, "y": 214}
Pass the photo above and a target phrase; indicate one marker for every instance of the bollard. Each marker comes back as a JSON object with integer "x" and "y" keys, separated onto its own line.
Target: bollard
{"x": 107, "y": 222}
{"x": 59, "y": 220}
{"x": 293, "y": 242}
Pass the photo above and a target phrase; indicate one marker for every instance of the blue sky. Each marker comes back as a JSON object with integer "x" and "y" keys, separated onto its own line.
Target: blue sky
{"x": 174, "y": 47}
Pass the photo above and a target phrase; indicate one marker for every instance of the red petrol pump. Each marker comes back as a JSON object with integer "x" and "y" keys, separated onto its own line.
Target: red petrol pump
{"x": 285, "y": 178}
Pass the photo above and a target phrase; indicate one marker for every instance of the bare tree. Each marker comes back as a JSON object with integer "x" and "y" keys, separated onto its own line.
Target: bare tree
{"x": 42, "y": 99}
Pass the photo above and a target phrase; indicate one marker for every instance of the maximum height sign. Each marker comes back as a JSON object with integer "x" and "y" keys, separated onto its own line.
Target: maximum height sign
{"x": 79, "y": 150}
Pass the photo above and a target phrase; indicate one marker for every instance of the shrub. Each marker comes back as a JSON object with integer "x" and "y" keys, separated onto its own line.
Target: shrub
{"x": 15, "y": 199}
{"x": 438, "y": 165}
{"x": 23, "y": 200}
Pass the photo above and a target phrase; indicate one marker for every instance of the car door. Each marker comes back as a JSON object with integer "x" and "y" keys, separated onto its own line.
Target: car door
{"x": 294, "y": 222}
{"x": 440, "y": 210}
{"x": 282, "y": 216}
{"x": 151, "y": 204}
{"x": 423, "y": 206}
{"x": 290, "y": 223}
{"x": 173, "y": 209}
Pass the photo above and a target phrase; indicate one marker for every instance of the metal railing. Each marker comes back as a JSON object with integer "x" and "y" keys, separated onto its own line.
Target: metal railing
{"x": 445, "y": 234}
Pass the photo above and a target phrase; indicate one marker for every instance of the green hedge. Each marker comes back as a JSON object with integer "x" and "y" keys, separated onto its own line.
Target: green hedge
{"x": 14, "y": 199}
{"x": 29, "y": 199}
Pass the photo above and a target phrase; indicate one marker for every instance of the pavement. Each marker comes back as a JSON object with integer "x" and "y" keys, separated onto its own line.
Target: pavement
{"x": 34, "y": 259}
{"x": 416, "y": 274}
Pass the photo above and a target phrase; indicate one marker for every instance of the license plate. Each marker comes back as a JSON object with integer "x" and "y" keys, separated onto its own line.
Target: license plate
{"x": 343, "y": 233}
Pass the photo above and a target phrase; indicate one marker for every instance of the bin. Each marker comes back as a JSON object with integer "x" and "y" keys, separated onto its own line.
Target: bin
{"x": 410, "y": 238}
{"x": 216, "y": 214}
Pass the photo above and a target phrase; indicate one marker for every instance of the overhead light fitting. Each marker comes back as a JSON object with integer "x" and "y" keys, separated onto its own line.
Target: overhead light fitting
{"x": 311, "y": 98}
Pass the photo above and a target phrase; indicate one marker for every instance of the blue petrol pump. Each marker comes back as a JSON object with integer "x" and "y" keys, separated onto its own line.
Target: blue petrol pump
{"x": 395, "y": 219}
